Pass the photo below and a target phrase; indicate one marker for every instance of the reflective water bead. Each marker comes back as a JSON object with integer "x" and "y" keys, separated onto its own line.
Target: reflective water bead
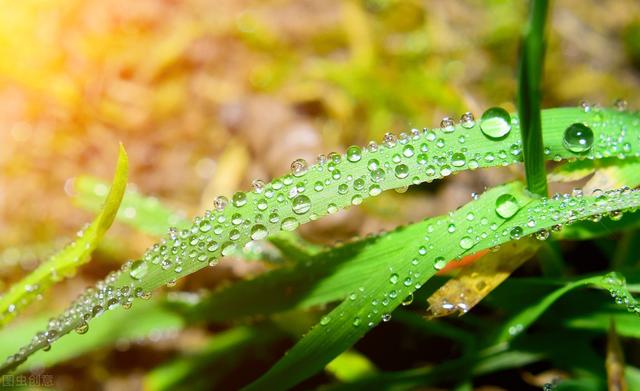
{"x": 466, "y": 243}
{"x": 389, "y": 139}
{"x": 467, "y": 120}
{"x": 401, "y": 171}
{"x": 495, "y": 123}
{"x": 516, "y": 232}
{"x": 138, "y": 269}
{"x": 258, "y": 232}
{"x": 506, "y": 205}
{"x": 299, "y": 167}
{"x": 578, "y": 138}
{"x": 374, "y": 190}
{"x": 258, "y": 185}
{"x": 239, "y": 199}
{"x": 458, "y": 159}
{"x": 354, "y": 154}
{"x": 301, "y": 204}
{"x": 439, "y": 263}
{"x": 220, "y": 203}
{"x": 289, "y": 224}
{"x": 447, "y": 125}
{"x": 408, "y": 150}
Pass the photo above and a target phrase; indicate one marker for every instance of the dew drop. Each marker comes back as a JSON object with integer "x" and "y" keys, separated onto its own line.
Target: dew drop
{"x": 467, "y": 120}
{"x": 258, "y": 232}
{"x": 458, "y": 159}
{"x": 239, "y": 199}
{"x": 495, "y": 123}
{"x": 401, "y": 171}
{"x": 506, "y": 205}
{"x": 408, "y": 150}
{"x": 220, "y": 203}
{"x": 389, "y": 139}
{"x": 138, "y": 269}
{"x": 439, "y": 263}
{"x": 325, "y": 320}
{"x": 289, "y": 224}
{"x": 394, "y": 278}
{"x": 466, "y": 243}
{"x": 258, "y": 185}
{"x": 228, "y": 248}
{"x": 354, "y": 154}
{"x": 301, "y": 204}
{"x": 516, "y": 232}
{"x": 447, "y": 125}
{"x": 578, "y": 138}
{"x": 299, "y": 167}
{"x": 82, "y": 328}
{"x": 408, "y": 300}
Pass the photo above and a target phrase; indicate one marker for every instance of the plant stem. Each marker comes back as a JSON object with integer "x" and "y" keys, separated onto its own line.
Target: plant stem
{"x": 529, "y": 80}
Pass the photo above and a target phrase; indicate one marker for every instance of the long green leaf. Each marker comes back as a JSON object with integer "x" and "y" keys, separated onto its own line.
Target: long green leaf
{"x": 64, "y": 263}
{"x": 334, "y": 183}
{"x": 116, "y": 326}
{"x": 446, "y": 237}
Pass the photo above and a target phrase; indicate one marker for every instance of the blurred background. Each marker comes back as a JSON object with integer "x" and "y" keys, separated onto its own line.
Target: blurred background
{"x": 207, "y": 95}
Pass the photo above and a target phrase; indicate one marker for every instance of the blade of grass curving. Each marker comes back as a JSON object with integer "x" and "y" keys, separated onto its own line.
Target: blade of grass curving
{"x": 65, "y": 262}
{"x": 145, "y": 320}
{"x": 613, "y": 282}
{"x": 456, "y": 235}
{"x": 529, "y": 82}
{"x": 335, "y": 182}
{"x": 144, "y": 213}
{"x": 151, "y": 216}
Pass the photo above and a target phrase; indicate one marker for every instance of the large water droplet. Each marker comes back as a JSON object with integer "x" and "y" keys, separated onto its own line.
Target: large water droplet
{"x": 401, "y": 171}
{"x": 220, "y": 202}
{"x": 578, "y": 138}
{"x": 506, "y": 205}
{"x": 301, "y": 204}
{"x": 258, "y": 232}
{"x": 466, "y": 242}
{"x": 239, "y": 199}
{"x": 299, "y": 167}
{"x": 138, "y": 269}
{"x": 516, "y": 232}
{"x": 467, "y": 120}
{"x": 289, "y": 224}
{"x": 495, "y": 122}
{"x": 354, "y": 154}
{"x": 447, "y": 125}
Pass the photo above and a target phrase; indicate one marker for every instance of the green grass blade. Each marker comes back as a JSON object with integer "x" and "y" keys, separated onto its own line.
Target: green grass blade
{"x": 374, "y": 300}
{"x": 613, "y": 282}
{"x": 144, "y": 213}
{"x": 529, "y": 82}
{"x": 65, "y": 262}
{"x": 333, "y": 184}
{"x": 116, "y": 326}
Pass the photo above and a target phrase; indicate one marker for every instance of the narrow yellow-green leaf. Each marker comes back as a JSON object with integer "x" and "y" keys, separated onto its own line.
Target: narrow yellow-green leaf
{"x": 64, "y": 263}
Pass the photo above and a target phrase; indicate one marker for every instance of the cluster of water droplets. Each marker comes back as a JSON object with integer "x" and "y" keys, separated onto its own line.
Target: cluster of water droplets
{"x": 617, "y": 286}
{"x": 512, "y": 217}
{"x": 334, "y": 182}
